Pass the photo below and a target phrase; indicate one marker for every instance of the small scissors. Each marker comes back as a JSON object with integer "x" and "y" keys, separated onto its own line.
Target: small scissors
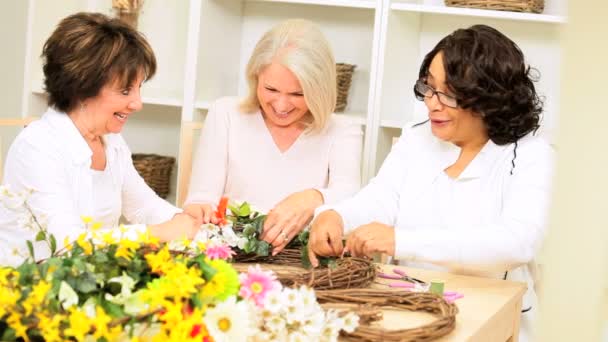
{"x": 401, "y": 275}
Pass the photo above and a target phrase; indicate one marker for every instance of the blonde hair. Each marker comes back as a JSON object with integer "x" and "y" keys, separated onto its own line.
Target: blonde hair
{"x": 301, "y": 47}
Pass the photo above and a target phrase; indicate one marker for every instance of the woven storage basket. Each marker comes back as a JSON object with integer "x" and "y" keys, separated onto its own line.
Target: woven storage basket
{"x": 532, "y": 6}
{"x": 344, "y": 76}
{"x": 155, "y": 170}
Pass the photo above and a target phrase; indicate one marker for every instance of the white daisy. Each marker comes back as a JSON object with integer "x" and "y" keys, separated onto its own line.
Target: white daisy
{"x": 229, "y": 321}
{"x": 274, "y": 301}
{"x": 351, "y": 322}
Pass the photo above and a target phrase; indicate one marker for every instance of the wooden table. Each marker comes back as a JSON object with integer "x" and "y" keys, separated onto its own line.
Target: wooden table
{"x": 489, "y": 311}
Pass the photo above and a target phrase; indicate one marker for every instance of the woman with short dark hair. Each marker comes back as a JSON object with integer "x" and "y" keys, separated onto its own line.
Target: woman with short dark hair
{"x": 74, "y": 158}
{"x": 467, "y": 190}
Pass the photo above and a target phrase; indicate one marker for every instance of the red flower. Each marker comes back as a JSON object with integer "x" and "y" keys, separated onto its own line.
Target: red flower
{"x": 220, "y": 214}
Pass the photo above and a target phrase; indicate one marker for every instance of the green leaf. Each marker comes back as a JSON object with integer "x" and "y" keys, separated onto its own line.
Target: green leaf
{"x": 196, "y": 301}
{"x": 112, "y": 309}
{"x": 53, "y": 244}
{"x": 30, "y": 247}
{"x": 245, "y": 209}
{"x": 86, "y": 283}
{"x": 258, "y": 223}
{"x": 249, "y": 231}
{"x": 208, "y": 271}
{"x": 67, "y": 295}
{"x": 304, "y": 258}
{"x": 263, "y": 248}
{"x": 9, "y": 335}
{"x": 234, "y": 210}
{"x": 251, "y": 246}
{"x": 41, "y": 236}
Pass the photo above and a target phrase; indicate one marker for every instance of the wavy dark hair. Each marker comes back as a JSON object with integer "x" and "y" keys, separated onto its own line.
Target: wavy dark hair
{"x": 487, "y": 73}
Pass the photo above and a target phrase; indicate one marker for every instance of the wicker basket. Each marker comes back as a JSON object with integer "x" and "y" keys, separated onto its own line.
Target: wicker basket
{"x": 344, "y": 76}
{"x": 532, "y": 6}
{"x": 155, "y": 170}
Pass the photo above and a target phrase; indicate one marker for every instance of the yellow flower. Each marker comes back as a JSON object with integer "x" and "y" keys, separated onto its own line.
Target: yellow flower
{"x": 186, "y": 280}
{"x": 96, "y": 226}
{"x": 122, "y": 228}
{"x": 108, "y": 238}
{"x": 86, "y": 219}
{"x": 147, "y": 238}
{"x": 173, "y": 313}
{"x": 8, "y": 300}
{"x": 101, "y": 323}
{"x": 14, "y": 321}
{"x": 126, "y": 248}
{"x": 67, "y": 244}
{"x": 36, "y": 298}
{"x": 6, "y": 275}
{"x": 161, "y": 261}
{"x": 49, "y": 327}
{"x": 79, "y": 324}
{"x": 84, "y": 244}
{"x": 224, "y": 283}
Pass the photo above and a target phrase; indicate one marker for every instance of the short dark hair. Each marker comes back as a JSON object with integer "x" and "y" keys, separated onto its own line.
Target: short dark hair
{"x": 87, "y": 51}
{"x": 487, "y": 73}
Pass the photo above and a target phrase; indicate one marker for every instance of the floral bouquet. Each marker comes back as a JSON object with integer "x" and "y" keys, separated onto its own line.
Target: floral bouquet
{"x": 106, "y": 288}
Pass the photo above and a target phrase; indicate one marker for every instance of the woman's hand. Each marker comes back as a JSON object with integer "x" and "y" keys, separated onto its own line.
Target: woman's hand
{"x": 201, "y": 213}
{"x": 289, "y": 217}
{"x": 325, "y": 237}
{"x": 179, "y": 227}
{"x": 371, "y": 238}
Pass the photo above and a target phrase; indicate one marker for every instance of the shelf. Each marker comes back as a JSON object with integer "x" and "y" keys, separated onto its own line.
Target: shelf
{"x": 204, "y": 105}
{"x": 163, "y": 101}
{"x": 36, "y": 88}
{"x": 388, "y": 123}
{"x": 481, "y": 13}
{"x": 339, "y": 3}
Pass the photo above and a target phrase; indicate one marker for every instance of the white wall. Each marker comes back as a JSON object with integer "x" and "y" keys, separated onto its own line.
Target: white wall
{"x": 574, "y": 300}
{"x": 13, "y": 18}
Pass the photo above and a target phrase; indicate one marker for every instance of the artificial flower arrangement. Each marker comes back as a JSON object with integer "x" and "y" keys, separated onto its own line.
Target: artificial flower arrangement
{"x": 240, "y": 227}
{"x": 104, "y": 287}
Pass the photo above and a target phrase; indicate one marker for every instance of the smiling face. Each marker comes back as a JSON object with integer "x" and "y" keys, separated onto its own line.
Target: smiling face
{"x": 280, "y": 96}
{"x": 456, "y": 125}
{"x": 110, "y": 109}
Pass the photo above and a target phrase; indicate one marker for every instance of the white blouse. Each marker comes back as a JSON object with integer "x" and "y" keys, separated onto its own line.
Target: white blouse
{"x": 485, "y": 222}
{"x": 237, "y": 157}
{"x": 53, "y": 159}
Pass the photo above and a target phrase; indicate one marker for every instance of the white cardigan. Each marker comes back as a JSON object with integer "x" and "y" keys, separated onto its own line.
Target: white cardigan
{"x": 237, "y": 157}
{"x": 51, "y": 157}
{"x": 485, "y": 222}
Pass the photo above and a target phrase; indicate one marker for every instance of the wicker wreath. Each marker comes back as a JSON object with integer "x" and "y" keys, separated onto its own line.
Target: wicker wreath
{"x": 348, "y": 273}
{"x": 367, "y": 303}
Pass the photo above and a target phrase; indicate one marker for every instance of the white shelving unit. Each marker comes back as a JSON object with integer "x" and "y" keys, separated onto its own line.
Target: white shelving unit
{"x": 202, "y": 47}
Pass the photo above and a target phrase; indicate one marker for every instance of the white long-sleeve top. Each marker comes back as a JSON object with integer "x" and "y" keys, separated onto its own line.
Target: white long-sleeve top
{"x": 51, "y": 157}
{"x": 237, "y": 157}
{"x": 485, "y": 222}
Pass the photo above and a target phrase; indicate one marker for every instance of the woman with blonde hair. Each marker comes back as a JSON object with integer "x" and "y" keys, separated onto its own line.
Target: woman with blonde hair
{"x": 280, "y": 148}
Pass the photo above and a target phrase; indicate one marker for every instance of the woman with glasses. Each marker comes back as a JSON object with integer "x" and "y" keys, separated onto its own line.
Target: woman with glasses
{"x": 467, "y": 190}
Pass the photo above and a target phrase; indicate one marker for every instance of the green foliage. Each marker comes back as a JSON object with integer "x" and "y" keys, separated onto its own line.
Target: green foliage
{"x": 250, "y": 224}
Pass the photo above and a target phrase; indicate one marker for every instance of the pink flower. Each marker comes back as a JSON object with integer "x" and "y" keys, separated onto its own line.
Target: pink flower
{"x": 223, "y": 252}
{"x": 256, "y": 284}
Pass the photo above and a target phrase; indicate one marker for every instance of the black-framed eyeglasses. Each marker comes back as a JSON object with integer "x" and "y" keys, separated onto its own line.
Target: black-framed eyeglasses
{"x": 422, "y": 90}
